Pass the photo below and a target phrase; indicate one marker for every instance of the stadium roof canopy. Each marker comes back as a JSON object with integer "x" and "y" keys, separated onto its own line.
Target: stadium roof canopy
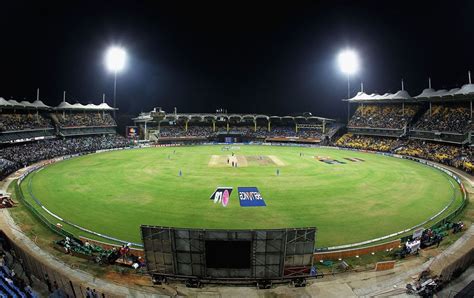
{"x": 37, "y": 104}
{"x": 145, "y": 117}
{"x": 399, "y": 96}
{"x": 5, "y": 103}
{"x": 64, "y": 105}
{"x": 40, "y": 105}
{"x": 27, "y": 104}
{"x": 466, "y": 92}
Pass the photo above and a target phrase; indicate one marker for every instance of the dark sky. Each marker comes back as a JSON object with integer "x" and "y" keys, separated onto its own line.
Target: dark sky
{"x": 245, "y": 57}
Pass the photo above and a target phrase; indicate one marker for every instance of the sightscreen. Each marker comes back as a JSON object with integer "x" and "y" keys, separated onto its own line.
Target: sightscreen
{"x": 228, "y": 254}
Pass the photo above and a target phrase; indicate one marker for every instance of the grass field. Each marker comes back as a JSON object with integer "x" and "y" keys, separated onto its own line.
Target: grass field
{"x": 115, "y": 192}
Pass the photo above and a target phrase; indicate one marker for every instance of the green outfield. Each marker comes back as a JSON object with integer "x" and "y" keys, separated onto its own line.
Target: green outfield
{"x": 115, "y": 192}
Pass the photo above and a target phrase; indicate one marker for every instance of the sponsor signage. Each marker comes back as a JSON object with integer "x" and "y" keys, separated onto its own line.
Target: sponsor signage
{"x": 221, "y": 195}
{"x": 250, "y": 197}
{"x": 131, "y": 132}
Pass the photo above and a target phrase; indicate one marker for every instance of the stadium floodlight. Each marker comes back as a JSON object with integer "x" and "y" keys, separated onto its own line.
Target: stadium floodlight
{"x": 348, "y": 62}
{"x": 115, "y": 59}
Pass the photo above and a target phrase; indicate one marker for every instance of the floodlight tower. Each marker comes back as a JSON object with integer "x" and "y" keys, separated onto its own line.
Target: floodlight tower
{"x": 348, "y": 61}
{"x": 115, "y": 59}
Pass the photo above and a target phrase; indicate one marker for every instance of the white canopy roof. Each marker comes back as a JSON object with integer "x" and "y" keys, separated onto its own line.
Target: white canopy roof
{"x": 90, "y": 106}
{"x": 37, "y": 104}
{"x": 15, "y": 103}
{"x": 27, "y": 104}
{"x": 399, "y": 95}
{"x": 104, "y": 106}
{"x": 467, "y": 89}
{"x": 40, "y": 105}
{"x": 5, "y": 103}
{"x": 77, "y": 106}
{"x": 64, "y": 105}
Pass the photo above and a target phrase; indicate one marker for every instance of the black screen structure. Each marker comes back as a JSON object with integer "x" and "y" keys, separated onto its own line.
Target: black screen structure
{"x": 228, "y": 254}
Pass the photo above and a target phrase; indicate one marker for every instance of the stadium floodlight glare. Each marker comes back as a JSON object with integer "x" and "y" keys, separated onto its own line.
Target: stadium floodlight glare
{"x": 115, "y": 59}
{"x": 348, "y": 62}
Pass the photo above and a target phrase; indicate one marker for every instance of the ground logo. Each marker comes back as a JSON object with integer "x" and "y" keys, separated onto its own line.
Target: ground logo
{"x": 221, "y": 195}
{"x": 250, "y": 197}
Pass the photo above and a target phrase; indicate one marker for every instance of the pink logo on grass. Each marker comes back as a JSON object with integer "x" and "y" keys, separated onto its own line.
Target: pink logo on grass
{"x": 225, "y": 198}
{"x": 222, "y": 195}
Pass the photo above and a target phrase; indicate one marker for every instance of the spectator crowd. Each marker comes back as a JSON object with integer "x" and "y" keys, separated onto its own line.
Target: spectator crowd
{"x": 179, "y": 131}
{"x": 17, "y": 156}
{"x": 248, "y": 131}
{"x": 22, "y": 121}
{"x": 451, "y": 155}
{"x": 442, "y": 117}
{"x": 383, "y": 116}
{"x": 14, "y": 280}
{"x": 80, "y": 119}
{"x": 29, "y": 121}
{"x": 367, "y": 143}
{"x": 447, "y": 117}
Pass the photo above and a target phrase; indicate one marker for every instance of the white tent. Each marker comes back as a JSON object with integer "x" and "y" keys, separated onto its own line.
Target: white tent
{"x": 64, "y": 105}
{"x": 40, "y": 105}
{"x": 15, "y": 103}
{"x": 466, "y": 90}
{"x": 5, "y": 103}
{"x": 104, "y": 106}
{"x": 27, "y": 104}
{"x": 400, "y": 95}
{"x": 78, "y": 106}
{"x": 91, "y": 107}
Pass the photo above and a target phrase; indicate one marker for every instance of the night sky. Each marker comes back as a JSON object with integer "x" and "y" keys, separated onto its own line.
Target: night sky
{"x": 266, "y": 58}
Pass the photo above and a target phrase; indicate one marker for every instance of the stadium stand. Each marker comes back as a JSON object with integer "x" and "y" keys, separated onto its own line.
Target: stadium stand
{"x": 383, "y": 116}
{"x": 14, "y": 281}
{"x": 247, "y": 131}
{"x": 446, "y": 117}
{"x": 84, "y": 122}
{"x": 19, "y": 155}
{"x": 23, "y": 121}
{"x": 435, "y": 125}
{"x": 85, "y": 119}
{"x": 449, "y": 122}
{"x": 159, "y": 126}
{"x": 30, "y": 132}
{"x": 449, "y": 154}
{"x": 367, "y": 143}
